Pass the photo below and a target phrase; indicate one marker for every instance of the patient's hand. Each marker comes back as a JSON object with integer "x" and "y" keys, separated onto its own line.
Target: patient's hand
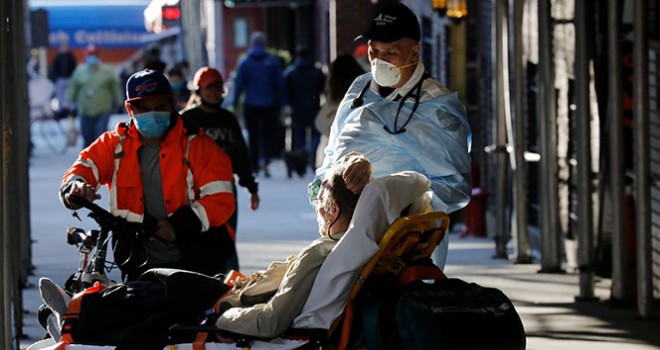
{"x": 357, "y": 175}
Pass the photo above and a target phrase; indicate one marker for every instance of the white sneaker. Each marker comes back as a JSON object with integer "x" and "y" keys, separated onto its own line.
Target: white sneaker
{"x": 55, "y": 297}
{"x": 54, "y": 327}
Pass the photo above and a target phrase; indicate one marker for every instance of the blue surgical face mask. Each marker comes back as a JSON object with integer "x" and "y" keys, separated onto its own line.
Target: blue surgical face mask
{"x": 152, "y": 124}
{"x": 178, "y": 86}
{"x": 92, "y": 60}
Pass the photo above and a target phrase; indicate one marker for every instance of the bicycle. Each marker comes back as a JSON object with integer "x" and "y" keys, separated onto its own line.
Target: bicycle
{"x": 53, "y": 131}
{"x": 93, "y": 246}
{"x": 90, "y": 272}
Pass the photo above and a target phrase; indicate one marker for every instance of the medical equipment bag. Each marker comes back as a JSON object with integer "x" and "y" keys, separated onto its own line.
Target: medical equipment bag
{"x": 446, "y": 314}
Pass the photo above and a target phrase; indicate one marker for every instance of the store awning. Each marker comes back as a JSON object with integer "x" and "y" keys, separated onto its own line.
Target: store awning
{"x": 106, "y": 26}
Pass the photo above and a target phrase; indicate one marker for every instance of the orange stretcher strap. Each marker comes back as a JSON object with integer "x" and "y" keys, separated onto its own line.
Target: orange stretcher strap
{"x": 418, "y": 273}
{"x": 346, "y": 327}
{"x": 73, "y": 312}
{"x": 200, "y": 340}
{"x": 201, "y": 337}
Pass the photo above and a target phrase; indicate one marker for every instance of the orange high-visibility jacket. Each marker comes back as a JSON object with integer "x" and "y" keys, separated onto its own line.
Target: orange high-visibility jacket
{"x": 195, "y": 173}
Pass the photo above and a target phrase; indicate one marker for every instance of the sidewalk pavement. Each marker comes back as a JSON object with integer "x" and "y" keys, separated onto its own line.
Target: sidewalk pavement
{"x": 551, "y": 317}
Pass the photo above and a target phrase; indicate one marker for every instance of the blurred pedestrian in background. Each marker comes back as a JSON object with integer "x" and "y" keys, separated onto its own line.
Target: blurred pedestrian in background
{"x": 204, "y": 112}
{"x": 361, "y": 55}
{"x": 96, "y": 92}
{"x": 259, "y": 78}
{"x": 180, "y": 91}
{"x": 304, "y": 85}
{"x": 343, "y": 70}
{"x": 63, "y": 66}
{"x": 152, "y": 60}
{"x": 184, "y": 66}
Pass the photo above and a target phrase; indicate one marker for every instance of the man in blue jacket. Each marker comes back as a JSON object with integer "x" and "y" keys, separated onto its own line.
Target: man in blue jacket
{"x": 259, "y": 76}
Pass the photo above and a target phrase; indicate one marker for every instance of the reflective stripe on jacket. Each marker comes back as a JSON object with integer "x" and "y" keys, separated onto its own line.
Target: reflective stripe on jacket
{"x": 194, "y": 171}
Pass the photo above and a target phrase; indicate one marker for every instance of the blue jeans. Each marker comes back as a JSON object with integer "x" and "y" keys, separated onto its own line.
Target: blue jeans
{"x": 92, "y": 127}
{"x": 299, "y": 126}
{"x": 262, "y": 125}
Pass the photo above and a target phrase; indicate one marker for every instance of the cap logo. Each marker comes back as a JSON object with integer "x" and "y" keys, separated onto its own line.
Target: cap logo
{"x": 147, "y": 87}
{"x": 382, "y": 20}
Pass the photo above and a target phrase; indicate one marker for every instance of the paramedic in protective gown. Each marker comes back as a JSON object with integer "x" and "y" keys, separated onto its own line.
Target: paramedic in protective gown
{"x": 401, "y": 119}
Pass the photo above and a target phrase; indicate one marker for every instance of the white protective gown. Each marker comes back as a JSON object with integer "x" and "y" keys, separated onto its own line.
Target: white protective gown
{"x": 436, "y": 143}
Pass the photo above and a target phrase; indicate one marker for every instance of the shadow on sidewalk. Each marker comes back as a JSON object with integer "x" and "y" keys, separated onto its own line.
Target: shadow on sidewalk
{"x": 589, "y": 321}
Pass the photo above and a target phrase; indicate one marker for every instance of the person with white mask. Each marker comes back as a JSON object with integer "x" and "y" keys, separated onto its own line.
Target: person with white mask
{"x": 401, "y": 118}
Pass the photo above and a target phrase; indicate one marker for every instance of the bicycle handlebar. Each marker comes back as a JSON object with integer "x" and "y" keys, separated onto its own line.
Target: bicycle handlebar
{"x": 110, "y": 222}
{"x": 100, "y": 215}
{"x": 130, "y": 231}
{"x": 77, "y": 236}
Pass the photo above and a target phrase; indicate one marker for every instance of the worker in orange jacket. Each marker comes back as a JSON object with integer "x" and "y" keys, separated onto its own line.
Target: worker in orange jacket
{"x": 157, "y": 171}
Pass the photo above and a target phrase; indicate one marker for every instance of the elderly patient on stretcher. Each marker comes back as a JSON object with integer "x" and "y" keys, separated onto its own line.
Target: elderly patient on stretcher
{"x": 129, "y": 313}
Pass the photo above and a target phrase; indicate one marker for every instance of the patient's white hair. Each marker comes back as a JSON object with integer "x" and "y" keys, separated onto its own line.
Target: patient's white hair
{"x": 333, "y": 189}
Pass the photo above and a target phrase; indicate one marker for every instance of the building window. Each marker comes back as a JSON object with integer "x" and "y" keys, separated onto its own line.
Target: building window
{"x": 240, "y": 32}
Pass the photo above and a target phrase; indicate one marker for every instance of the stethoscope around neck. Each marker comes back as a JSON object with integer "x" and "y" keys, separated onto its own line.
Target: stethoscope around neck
{"x": 415, "y": 93}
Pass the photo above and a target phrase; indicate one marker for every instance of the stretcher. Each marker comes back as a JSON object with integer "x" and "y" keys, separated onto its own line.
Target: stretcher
{"x": 392, "y": 231}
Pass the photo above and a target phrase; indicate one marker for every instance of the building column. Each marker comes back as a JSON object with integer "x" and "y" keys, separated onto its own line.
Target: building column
{"x": 518, "y": 163}
{"x": 621, "y": 286}
{"x": 548, "y": 178}
{"x": 642, "y": 161}
{"x": 583, "y": 154}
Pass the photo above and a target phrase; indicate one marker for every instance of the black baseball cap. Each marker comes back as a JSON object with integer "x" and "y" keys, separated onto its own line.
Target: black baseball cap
{"x": 393, "y": 23}
{"x": 147, "y": 84}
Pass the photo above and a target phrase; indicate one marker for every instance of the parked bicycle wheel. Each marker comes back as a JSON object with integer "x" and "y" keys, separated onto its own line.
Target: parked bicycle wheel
{"x": 46, "y": 130}
{"x": 51, "y": 133}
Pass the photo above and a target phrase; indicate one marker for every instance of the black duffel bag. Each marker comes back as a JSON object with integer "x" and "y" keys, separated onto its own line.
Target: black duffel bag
{"x": 447, "y": 314}
{"x": 138, "y": 314}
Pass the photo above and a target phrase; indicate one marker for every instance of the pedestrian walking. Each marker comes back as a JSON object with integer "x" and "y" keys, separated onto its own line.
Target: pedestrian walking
{"x": 96, "y": 92}
{"x": 204, "y": 111}
{"x": 259, "y": 78}
{"x": 180, "y": 91}
{"x": 343, "y": 70}
{"x": 152, "y": 59}
{"x": 64, "y": 64}
{"x": 304, "y": 86}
